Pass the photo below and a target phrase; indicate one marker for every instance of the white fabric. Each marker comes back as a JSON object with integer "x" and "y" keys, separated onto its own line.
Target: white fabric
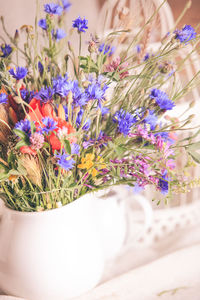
{"x": 173, "y": 277}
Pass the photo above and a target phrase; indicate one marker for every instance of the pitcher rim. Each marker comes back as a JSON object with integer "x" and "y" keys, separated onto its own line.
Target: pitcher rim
{"x": 49, "y": 211}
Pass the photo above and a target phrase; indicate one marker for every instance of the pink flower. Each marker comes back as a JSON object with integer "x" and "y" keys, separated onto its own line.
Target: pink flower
{"x": 37, "y": 141}
{"x": 159, "y": 142}
{"x": 115, "y": 65}
{"x": 170, "y": 163}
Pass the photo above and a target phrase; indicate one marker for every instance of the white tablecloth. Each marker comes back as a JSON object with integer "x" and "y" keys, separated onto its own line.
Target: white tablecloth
{"x": 173, "y": 277}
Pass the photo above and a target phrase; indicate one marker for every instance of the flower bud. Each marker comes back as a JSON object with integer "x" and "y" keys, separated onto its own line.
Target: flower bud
{"x": 192, "y": 104}
{"x": 61, "y": 112}
{"x": 16, "y": 36}
{"x": 69, "y": 97}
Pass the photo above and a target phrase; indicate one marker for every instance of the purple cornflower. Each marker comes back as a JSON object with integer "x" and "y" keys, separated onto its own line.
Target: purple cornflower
{"x": 45, "y": 94}
{"x": 58, "y": 34}
{"x": 75, "y": 149}
{"x": 79, "y": 117}
{"x": 96, "y": 90}
{"x": 87, "y": 123}
{"x": 137, "y": 189}
{"x": 138, "y": 48}
{"x": 106, "y": 49}
{"x": 19, "y": 74}
{"x": 65, "y": 161}
{"x": 125, "y": 121}
{"x": 104, "y": 110}
{"x": 162, "y": 99}
{"x": 49, "y": 125}
{"x": 186, "y": 34}
{"x": 80, "y": 24}
{"x": 66, "y": 5}
{"x": 6, "y": 50}
{"x": 53, "y": 8}
{"x": 43, "y": 24}
{"x": 146, "y": 57}
{"x": 101, "y": 141}
{"x": 3, "y": 98}
{"x": 151, "y": 119}
{"x": 62, "y": 86}
{"x": 25, "y": 126}
{"x": 163, "y": 184}
{"x": 80, "y": 98}
{"x": 37, "y": 140}
{"x": 40, "y": 68}
{"x": 26, "y": 95}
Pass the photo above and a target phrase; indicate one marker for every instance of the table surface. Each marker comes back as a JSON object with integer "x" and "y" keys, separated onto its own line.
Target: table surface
{"x": 175, "y": 276}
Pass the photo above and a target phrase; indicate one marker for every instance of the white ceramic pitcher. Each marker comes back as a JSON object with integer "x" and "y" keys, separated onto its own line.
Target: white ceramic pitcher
{"x": 60, "y": 253}
{"x": 50, "y": 255}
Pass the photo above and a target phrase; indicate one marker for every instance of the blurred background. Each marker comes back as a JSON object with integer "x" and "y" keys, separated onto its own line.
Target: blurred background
{"x": 177, "y": 225}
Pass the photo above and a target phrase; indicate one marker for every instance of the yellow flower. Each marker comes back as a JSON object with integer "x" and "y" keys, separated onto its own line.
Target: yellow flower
{"x": 13, "y": 178}
{"x": 87, "y": 163}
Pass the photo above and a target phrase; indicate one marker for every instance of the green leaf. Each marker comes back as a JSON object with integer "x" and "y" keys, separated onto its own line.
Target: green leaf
{"x": 33, "y": 128}
{"x": 3, "y": 176}
{"x": 195, "y": 146}
{"x": 21, "y": 144}
{"x": 11, "y": 158}
{"x": 67, "y": 146}
{"x": 14, "y": 172}
{"x": 21, "y": 168}
{"x": 118, "y": 172}
{"x": 20, "y": 133}
{"x": 195, "y": 156}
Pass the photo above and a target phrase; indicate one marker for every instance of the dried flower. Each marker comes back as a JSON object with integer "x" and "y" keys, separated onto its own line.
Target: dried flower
{"x": 33, "y": 169}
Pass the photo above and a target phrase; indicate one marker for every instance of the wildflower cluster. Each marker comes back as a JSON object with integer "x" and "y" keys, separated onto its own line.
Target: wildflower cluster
{"x": 103, "y": 125}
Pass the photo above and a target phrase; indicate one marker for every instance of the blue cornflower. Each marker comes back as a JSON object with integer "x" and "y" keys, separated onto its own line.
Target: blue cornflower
{"x": 65, "y": 161}
{"x": 58, "y": 34}
{"x": 26, "y": 95}
{"x": 104, "y": 110}
{"x": 137, "y": 189}
{"x": 96, "y": 90}
{"x": 45, "y": 94}
{"x": 106, "y": 49}
{"x": 43, "y": 24}
{"x": 66, "y": 5}
{"x": 49, "y": 125}
{"x": 186, "y": 34}
{"x": 53, "y": 8}
{"x": 125, "y": 121}
{"x": 62, "y": 86}
{"x": 80, "y": 24}
{"x": 25, "y": 126}
{"x": 163, "y": 183}
{"x": 79, "y": 117}
{"x": 40, "y": 68}
{"x": 75, "y": 148}
{"x": 19, "y": 74}
{"x": 6, "y": 50}
{"x": 138, "y": 48}
{"x": 80, "y": 98}
{"x": 3, "y": 98}
{"x": 146, "y": 57}
{"x": 162, "y": 99}
{"x": 151, "y": 119}
{"x": 87, "y": 123}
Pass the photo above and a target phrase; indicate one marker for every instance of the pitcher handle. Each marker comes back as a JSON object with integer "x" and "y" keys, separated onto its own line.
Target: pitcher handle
{"x": 133, "y": 236}
{"x": 148, "y": 211}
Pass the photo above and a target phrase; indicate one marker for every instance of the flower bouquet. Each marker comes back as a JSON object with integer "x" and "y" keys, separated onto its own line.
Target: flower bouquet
{"x": 71, "y": 124}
